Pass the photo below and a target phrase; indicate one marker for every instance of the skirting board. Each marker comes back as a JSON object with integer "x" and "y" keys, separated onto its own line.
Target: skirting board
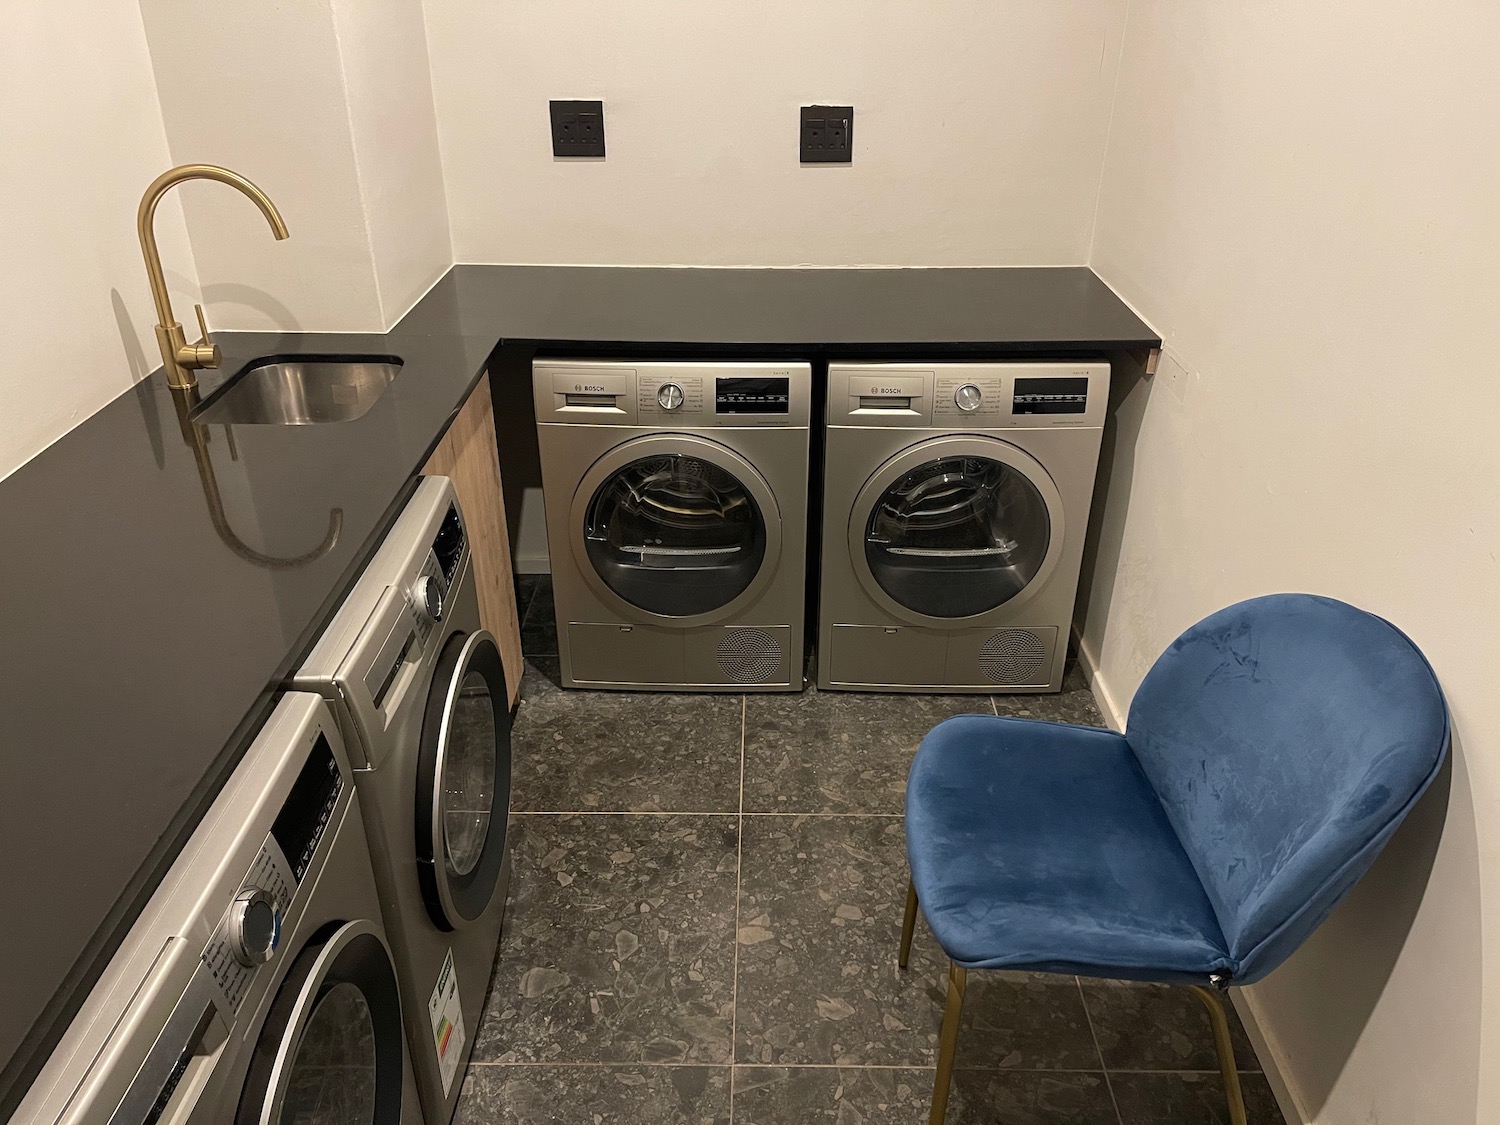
{"x": 1249, "y": 1012}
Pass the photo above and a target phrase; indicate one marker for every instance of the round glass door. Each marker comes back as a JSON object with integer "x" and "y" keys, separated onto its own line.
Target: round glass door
{"x": 675, "y": 527}
{"x": 332, "y": 1043}
{"x": 957, "y": 531}
{"x": 463, "y": 780}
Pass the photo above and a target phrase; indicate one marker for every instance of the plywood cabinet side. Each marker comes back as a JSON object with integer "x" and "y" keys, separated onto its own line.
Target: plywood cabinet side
{"x": 468, "y": 456}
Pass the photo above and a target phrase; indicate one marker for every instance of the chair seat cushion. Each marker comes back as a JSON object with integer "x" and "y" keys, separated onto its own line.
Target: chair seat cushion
{"x": 1042, "y": 846}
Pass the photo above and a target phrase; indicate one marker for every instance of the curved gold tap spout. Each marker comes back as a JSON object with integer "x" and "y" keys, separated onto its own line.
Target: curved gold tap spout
{"x": 179, "y": 358}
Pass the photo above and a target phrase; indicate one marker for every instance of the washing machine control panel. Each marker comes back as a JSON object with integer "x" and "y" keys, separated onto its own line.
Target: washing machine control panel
{"x": 680, "y": 395}
{"x": 736, "y": 393}
{"x": 959, "y": 396}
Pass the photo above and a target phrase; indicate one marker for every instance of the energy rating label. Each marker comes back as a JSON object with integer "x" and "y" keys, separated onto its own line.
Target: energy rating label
{"x": 447, "y": 1018}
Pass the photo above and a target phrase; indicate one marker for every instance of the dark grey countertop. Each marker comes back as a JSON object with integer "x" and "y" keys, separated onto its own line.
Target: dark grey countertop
{"x": 142, "y": 649}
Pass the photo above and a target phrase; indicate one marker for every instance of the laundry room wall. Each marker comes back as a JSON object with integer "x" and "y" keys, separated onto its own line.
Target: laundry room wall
{"x": 978, "y": 130}
{"x": 1303, "y": 200}
{"x": 82, "y": 136}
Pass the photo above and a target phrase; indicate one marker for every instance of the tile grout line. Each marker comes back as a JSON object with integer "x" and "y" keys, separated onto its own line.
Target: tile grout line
{"x": 695, "y": 812}
{"x": 739, "y": 869}
{"x": 1099, "y": 1050}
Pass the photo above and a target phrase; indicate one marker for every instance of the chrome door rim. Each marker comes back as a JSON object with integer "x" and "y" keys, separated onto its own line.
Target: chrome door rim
{"x": 390, "y": 1038}
{"x": 447, "y": 912}
{"x": 936, "y": 449}
{"x": 721, "y": 457}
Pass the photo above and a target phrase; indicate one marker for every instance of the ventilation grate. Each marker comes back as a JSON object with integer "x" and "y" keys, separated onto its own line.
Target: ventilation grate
{"x": 750, "y": 655}
{"x": 1014, "y": 656}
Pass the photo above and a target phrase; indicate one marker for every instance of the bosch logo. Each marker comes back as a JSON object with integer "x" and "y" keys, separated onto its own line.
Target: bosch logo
{"x": 588, "y": 386}
{"x": 887, "y": 390}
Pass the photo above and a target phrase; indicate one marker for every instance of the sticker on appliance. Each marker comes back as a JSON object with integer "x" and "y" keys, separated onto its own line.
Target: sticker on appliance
{"x": 447, "y": 1022}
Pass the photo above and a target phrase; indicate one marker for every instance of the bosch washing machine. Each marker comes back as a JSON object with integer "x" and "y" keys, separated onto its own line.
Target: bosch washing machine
{"x": 676, "y": 498}
{"x": 257, "y": 987}
{"x": 420, "y": 694}
{"x": 956, "y": 498}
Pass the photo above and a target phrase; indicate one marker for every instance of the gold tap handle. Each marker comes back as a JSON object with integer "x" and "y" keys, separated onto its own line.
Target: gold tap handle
{"x": 203, "y": 324}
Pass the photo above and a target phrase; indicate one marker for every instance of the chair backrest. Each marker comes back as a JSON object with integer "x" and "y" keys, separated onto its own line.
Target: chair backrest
{"x": 1286, "y": 737}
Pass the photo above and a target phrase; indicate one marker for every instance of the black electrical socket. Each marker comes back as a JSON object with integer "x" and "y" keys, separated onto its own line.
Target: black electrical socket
{"x": 577, "y": 128}
{"x": 827, "y": 135}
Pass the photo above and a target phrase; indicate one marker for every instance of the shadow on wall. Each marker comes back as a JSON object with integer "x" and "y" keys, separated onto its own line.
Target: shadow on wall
{"x": 139, "y": 367}
{"x": 1327, "y": 992}
{"x": 280, "y": 317}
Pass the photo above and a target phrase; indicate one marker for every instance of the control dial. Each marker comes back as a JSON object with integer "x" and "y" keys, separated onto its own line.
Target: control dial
{"x": 968, "y": 397}
{"x": 669, "y": 396}
{"x": 428, "y": 596}
{"x": 254, "y": 929}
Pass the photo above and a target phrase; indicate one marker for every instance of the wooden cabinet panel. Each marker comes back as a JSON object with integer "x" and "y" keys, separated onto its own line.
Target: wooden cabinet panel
{"x": 468, "y": 456}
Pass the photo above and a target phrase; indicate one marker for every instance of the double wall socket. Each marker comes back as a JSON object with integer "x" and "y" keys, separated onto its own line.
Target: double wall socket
{"x": 577, "y": 128}
{"x": 827, "y": 134}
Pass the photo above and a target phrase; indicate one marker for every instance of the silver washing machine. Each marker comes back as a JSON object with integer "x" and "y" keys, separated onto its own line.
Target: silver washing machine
{"x": 257, "y": 986}
{"x": 956, "y": 499}
{"x": 676, "y": 498}
{"x": 420, "y": 694}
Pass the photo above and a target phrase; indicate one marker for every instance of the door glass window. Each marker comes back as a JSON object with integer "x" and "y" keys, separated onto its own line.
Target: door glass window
{"x": 469, "y": 775}
{"x": 333, "y": 1073}
{"x": 957, "y": 536}
{"x": 675, "y": 535}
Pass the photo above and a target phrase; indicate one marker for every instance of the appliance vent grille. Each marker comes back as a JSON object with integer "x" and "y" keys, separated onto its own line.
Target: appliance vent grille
{"x": 750, "y": 655}
{"x": 1014, "y": 656}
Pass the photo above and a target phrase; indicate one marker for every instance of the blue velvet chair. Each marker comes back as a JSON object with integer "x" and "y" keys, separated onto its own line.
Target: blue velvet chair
{"x": 1269, "y": 755}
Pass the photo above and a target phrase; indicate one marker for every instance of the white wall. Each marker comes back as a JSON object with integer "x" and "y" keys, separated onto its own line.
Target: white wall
{"x": 329, "y": 110}
{"x": 1305, "y": 199}
{"x": 82, "y": 136}
{"x": 702, "y": 127}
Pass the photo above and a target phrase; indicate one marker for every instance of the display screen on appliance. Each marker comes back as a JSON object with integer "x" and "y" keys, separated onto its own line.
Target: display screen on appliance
{"x": 299, "y": 826}
{"x": 752, "y": 395}
{"x": 1051, "y": 396}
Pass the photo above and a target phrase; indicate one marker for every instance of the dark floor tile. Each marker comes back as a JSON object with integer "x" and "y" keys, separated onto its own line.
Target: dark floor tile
{"x": 1187, "y": 1098}
{"x": 1031, "y": 1021}
{"x": 821, "y": 900}
{"x": 539, "y": 625}
{"x": 618, "y": 943}
{"x": 1159, "y": 1027}
{"x": 587, "y": 751}
{"x": 1074, "y": 704}
{"x": 600, "y": 1095}
{"x": 1030, "y": 1097}
{"x": 838, "y": 751}
{"x": 779, "y": 1095}
{"x": 526, "y": 586}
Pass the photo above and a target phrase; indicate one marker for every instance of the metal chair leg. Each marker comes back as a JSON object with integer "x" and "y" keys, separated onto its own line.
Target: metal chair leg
{"x": 1225, "y": 1047}
{"x": 908, "y": 925}
{"x": 948, "y": 1041}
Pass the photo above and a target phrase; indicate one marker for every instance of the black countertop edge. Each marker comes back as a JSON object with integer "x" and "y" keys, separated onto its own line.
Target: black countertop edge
{"x": 147, "y": 650}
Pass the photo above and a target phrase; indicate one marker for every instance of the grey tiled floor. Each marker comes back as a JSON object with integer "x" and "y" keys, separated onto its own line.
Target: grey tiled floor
{"x": 705, "y": 909}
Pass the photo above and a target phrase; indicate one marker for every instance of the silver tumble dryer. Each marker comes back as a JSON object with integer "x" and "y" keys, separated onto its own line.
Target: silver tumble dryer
{"x": 257, "y": 986}
{"x": 956, "y": 499}
{"x": 676, "y": 498}
{"x": 420, "y": 693}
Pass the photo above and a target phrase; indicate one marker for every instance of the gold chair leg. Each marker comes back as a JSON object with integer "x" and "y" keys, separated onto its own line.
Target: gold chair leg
{"x": 1225, "y": 1047}
{"x": 909, "y": 924}
{"x": 948, "y": 1041}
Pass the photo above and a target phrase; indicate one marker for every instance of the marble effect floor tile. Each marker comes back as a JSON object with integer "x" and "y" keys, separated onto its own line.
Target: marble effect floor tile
{"x": 839, "y": 752}
{"x": 779, "y": 1095}
{"x": 587, "y": 751}
{"x": 539, "y": 622}
{"x": 1186, "y": 1098}
{"x": 594, "y": 1095}
{"x": 618, "y": 943}
{"x": 1158, "y": 1027}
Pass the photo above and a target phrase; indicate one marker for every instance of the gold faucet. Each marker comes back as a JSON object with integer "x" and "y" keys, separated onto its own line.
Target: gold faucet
{"x": 179, "y": 358}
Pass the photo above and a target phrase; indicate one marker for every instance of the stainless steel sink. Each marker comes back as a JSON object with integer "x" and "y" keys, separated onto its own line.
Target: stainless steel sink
{"x": 301, "y": 390}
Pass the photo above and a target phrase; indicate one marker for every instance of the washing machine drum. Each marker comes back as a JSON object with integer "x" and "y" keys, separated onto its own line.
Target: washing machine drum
{"x": 956, "y": 530}
{"x": 675, "y": 534}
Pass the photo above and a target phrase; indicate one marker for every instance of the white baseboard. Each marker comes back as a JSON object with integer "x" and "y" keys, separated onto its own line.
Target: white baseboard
{"x": 1271, "y": 1058}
